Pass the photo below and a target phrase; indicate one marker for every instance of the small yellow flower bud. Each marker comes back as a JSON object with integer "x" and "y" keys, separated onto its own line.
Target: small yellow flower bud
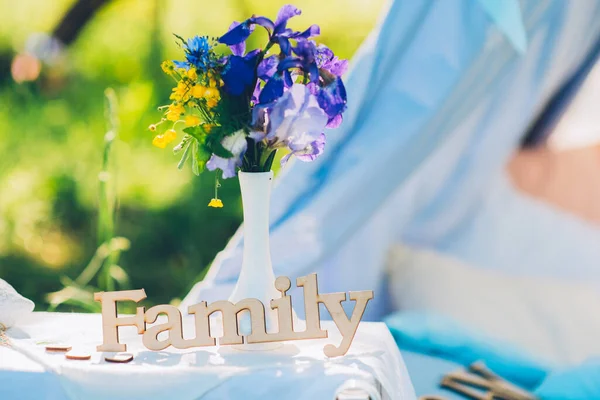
{"x": 191, "y": 73}
{"x": 175, "y": 111}
{"x": 152, "y": 127}
{"x": 192, "y": 120}
{"x": 169, "y": 136}
{"x": 212, "y": 103}
{"x": 207, "y": 127}
{"x": 216, "y": 203}
{"x": 212, "y": 82}
{"x": 159, "y": 141}
{"x": 212, "y": 93}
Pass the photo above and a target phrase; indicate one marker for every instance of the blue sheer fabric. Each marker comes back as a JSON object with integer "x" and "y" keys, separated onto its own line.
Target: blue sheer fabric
{"x": 440, "y": 95}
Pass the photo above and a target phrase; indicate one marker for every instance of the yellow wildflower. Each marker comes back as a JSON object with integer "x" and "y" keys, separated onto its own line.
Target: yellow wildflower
{"x": 168, "y": 67}
{"x": 207, "y": 127}
{"x": 198, "y": 91}
{"x": 211, "y": 103}
{"x": 181, "y": 92}
{"x": 216, "y": 203}
{"x": 212, "y": 82}
{"x": 170, "y": 135}
{"x": 159, "y": 141}
{"x": 192, "y": 120}
{"x": 175, "y": 111}
{"x": 191, "y": 73}
{"x": 212, "y": 93}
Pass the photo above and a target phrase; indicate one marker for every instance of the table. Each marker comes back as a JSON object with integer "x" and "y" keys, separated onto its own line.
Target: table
{"x": 297, "y": 370}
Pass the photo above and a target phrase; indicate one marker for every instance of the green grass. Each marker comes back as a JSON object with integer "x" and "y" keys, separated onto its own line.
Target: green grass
{"x": 53, "y": 220}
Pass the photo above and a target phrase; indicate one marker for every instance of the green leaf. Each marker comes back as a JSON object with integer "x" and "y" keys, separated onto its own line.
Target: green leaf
{"x": 213, "y": 143}
{"x": 203, "y": 153}
{"x": 196, "y": 131}
{"x": 180, "y": 38}
{"x": 269, "y": 161}
{"x": 195, "y": 166}
{"x": 185, "y": 156}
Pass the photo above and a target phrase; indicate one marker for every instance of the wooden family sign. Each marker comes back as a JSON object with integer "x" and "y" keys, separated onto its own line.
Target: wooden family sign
{"x": 229, "y": 312}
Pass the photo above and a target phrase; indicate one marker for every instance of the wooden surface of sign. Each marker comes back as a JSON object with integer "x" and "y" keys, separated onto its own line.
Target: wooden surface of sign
{"x": 229, "y": 312}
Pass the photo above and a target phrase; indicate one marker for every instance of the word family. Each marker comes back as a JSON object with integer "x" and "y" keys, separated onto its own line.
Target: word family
{"x": 229, "y": 312}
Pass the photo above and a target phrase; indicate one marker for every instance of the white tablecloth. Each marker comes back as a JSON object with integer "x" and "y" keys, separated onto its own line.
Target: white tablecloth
{"x": 297, "y": 370}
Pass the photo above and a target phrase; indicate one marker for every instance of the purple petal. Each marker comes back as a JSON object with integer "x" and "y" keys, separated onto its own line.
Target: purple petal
{"x": 240, "y": 48}
{"x": 264, "y": 22}
{"x": 284, "y": 45}
{"x": 272, "y": 90}
{"x": 338, "y": 67}
{"x": 332, "y": 98}
{"x": 256, "y": 92}
{"x": 237, "y": 145}
{"x": 312, "y": 30}
{"x": 239, "y": 73}
{"x": 313, "y": 72}
{"x": 287, "y": 79}
{"x": 285, "y": 159}
{"x": 286, "y": 12}
{"x": 237, "y": 34}
{"x": 313, "y": 151}
{"x": 267, "y": 67}
{"x": 289, "y": 62}
{"x": 335, "y": 121}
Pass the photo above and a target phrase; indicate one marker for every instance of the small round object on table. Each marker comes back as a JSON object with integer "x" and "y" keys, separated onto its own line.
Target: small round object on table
{"x": 58, "y": 348}
{"x": 76, "y": 355}
{"x": 120, "y": 358}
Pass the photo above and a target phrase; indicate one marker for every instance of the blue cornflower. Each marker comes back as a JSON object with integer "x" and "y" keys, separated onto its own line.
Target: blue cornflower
{"x": 198, "y": 53}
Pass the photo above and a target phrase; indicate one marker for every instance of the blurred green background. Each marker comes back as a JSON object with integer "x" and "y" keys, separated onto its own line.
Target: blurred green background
{"x": 52, "y": 141}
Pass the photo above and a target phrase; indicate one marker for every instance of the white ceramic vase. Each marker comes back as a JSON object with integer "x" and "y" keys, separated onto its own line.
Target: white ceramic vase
{"x": 256, "y": 278}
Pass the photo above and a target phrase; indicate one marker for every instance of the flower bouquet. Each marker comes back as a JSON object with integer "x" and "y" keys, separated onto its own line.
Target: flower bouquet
{"x": 240, "y": 107}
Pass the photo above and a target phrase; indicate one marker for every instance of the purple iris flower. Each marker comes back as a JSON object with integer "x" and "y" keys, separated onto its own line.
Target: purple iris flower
{"x": 237, "y": 145}
{"x": 332, "y": 99}
{"x": 273, "y": 89}
{"x": 267, "y": 67}
{"x": 297, "y": 121}
{"x": 239, "y": 72}
{"x": 239, "y": 48}
{"x": 308, "y": 153}
{"x": 278, "y": 30}
{"x": 327, "y": 61}
{"x": 305, "y": 59}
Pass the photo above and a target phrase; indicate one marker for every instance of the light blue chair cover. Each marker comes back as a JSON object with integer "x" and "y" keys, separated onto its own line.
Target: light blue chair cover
{"x": 439, "y": 96}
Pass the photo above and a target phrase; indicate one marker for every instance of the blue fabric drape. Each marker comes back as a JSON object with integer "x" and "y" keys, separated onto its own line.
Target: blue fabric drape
{"x": 438, "y": 100}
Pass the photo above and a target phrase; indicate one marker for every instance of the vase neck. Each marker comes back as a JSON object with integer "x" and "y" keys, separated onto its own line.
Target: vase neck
{"x": 256, "y": 195}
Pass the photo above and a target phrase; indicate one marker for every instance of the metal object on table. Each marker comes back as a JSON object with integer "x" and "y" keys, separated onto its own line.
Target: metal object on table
{"x": 479, "y": 383}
